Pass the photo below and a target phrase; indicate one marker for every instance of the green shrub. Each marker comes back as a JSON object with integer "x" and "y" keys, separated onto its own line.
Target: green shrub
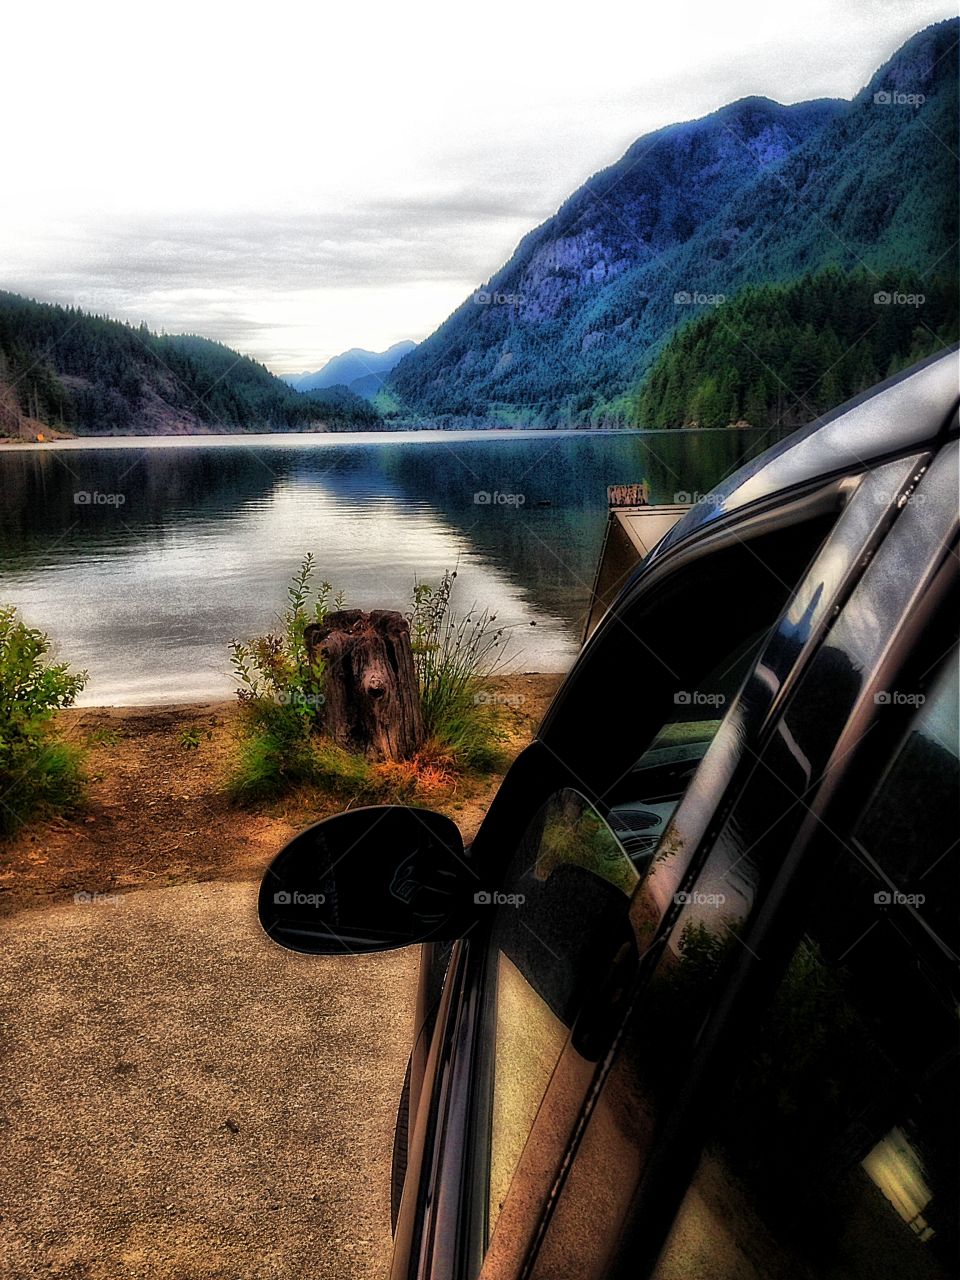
{"x": 277, "y": 668}
{"x": 281, "y": 689}
{"x": 39, "y": 772}
{"x": 455, "y": 656}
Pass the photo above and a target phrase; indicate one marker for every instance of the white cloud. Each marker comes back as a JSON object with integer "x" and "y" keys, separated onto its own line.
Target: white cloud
{"x": 299, "y": 181}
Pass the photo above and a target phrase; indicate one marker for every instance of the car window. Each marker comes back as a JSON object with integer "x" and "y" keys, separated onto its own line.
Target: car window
{"x": 835, "y": 1152}
{"x": 564, "y": 910}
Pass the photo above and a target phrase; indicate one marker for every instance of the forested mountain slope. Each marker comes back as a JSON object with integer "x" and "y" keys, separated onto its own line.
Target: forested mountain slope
{"x": 756, "y": 193}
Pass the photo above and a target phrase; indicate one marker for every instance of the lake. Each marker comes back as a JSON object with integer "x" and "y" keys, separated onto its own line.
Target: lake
{"x": 143, "y": 558}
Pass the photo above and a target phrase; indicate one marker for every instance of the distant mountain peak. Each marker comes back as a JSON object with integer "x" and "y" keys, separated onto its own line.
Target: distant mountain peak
{"x": 362, "y": 371}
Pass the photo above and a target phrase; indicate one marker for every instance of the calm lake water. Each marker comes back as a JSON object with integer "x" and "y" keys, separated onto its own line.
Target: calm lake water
{"x": 144, "y": 558}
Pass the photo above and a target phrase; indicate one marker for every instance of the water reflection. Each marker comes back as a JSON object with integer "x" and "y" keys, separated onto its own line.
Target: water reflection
{"x": 183, "y": 545}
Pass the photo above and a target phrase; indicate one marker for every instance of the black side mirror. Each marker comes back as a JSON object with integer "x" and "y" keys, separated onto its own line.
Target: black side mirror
{"x": 368, "y": 880}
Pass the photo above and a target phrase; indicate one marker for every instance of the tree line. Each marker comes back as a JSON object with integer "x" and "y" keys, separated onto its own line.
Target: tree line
{"x": 781, "y": 354}
{"x": 97, "y": 376}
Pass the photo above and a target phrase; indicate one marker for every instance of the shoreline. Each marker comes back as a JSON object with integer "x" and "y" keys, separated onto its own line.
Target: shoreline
{"x": 222, "y": 700}
{"x": 297, "y": 439}
{"x": 156, "y": 813}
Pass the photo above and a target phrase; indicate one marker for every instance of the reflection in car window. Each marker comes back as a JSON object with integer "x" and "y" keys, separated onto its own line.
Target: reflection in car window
{"x": 835, "y": 1153}
{"x": 910, "y": 825}
{"x": 572, "y": 833}
{"x": 563, "y": 908}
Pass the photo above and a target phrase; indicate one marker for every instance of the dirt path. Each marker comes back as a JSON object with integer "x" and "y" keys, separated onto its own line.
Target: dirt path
{"x": 180, "y": 1099}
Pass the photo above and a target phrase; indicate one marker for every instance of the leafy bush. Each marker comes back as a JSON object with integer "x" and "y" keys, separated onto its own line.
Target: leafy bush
{"x": 454, "y": 658}
{"x": 281, "y": 689}
{"x": 39, "y": 772}
{"x": 276, "y": 670}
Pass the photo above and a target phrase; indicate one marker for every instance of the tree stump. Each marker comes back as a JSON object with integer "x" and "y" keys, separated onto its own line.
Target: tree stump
{"x": 370, "y": 682}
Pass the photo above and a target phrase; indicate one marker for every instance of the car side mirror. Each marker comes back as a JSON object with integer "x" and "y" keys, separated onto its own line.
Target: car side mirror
{"x": 368, "y": 880}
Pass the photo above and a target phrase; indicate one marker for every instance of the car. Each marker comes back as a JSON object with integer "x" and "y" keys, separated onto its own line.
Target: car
{"x": 687, "y": 1003}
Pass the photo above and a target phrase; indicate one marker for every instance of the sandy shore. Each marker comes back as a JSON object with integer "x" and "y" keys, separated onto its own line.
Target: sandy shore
{"x": 156, "y": 814}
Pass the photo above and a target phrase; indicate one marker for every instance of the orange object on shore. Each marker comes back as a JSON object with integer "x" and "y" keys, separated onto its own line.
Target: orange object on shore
{"x": 41, "y": 439}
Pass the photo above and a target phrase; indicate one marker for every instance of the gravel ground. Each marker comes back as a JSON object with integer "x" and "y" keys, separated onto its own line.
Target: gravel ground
{"x": 181, "y": 1098}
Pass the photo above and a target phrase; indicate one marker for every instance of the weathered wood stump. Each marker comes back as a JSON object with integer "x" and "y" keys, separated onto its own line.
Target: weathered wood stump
{"x": 372, "y": 695}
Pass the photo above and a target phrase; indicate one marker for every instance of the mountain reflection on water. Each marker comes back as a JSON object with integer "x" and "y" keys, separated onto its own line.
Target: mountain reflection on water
{"x": 144, "y": 561}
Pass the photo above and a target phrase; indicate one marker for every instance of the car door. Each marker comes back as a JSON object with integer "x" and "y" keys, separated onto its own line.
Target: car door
{"x": 719, "y": 921}
{"x": 835, "y": 1149}
{"x": 543, "y": 1029}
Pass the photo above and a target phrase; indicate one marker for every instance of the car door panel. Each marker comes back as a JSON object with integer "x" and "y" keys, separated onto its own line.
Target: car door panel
{"x": 871, "y": 508}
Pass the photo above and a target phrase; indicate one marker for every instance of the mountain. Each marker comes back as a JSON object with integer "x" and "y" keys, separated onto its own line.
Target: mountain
{"x": 755, "y": 193}
{"x": 63, "y": 369}
{"x": 364, "y": 372}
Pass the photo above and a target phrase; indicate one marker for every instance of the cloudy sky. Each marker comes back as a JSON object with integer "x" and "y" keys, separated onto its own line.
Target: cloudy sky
{"x": 295, "y": 180}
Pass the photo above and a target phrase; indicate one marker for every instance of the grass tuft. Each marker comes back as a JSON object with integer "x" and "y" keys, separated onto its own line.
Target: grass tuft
{"x": 455, "y": 656}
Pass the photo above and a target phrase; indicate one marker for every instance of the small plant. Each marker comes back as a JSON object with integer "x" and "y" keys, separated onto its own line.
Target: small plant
{"x": 39, "y": 771}
{"x": 104, "y": 737}
{"x": 281, "y": 690}
{"x": 190, "y": 738}
{"x": 455, "y": 656}
{"x": 277, "y": 668}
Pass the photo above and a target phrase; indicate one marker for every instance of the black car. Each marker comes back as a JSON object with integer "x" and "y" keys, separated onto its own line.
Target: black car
{"x": 687, "y": 1005}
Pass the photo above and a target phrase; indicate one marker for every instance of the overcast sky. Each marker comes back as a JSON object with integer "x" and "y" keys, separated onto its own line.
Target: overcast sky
{"x": 295, "y": 180}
